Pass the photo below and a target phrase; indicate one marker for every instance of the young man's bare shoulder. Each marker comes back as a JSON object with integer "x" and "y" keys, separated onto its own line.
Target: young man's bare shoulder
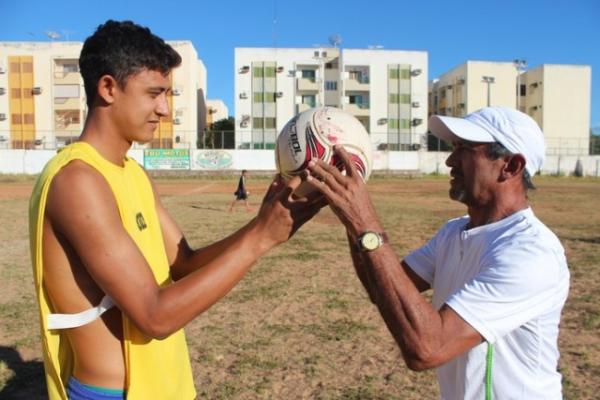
{"x": 78, "y": 186}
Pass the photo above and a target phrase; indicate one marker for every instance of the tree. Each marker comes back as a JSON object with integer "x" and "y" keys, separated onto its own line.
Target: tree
{"x": 219, "y": 135}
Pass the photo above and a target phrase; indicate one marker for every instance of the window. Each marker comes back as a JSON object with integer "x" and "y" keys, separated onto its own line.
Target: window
{"x": 66, "y": 91}
{"x": 309, "y": 100}
{"x": 28, "y": 119}
{"x": 257, "y": 72}
{"x": 70, "y": 68}
{"x": 404, "y": 98}
{"x": 27, "y": 67}
{"x": 404, "y": 74}
{"x": 393, "y": 123}
{"x": 257, "y": 97}
{"x": 269, "y": 72}
{"x": 309, "y": 74}
{"x": 257, "y": 123}
{"x": 15, "y": 94}
{"x": 15, "y": 67}
{"x": 270, "y": 123}
{"x": 404, "y": 124}
{"x": 269, "y": 97}
{"x": 27, "y": 93}
{"x": 394, "y": 74}
{"x": 330, "y": 85}
{"x": 394, "y": 98}
{"x": 359, "y": 100}
{"x": 523, "y": 90}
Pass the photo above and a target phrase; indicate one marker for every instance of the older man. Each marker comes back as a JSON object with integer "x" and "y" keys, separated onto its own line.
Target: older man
{"x": 499, "y": 275}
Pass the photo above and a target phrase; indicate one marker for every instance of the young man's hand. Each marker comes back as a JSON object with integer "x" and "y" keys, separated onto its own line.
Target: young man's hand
{"x": 281, "y": 214}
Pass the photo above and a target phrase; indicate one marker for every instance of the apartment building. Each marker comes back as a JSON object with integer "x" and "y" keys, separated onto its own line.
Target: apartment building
{"x": 43, "y": 103}
{"x": 216, "y": 110}
{"x": 385, "y": 89}
{"x": 556, "y": 96}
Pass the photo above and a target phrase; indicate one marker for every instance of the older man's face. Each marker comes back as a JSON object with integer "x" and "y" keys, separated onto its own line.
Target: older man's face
{"x": 474, "y": 174}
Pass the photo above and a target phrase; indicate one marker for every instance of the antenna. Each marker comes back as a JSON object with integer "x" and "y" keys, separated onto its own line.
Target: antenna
{"x": 53, "y": 35}
{"x": 335, "y": 40}
{"x": 66, "y": 33}
{"x": 275, "y": 23}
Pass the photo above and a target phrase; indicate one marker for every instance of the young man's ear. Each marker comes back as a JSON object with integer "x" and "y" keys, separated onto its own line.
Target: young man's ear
{"x": 106, "y": 89}
{"x": 515, "y": 164}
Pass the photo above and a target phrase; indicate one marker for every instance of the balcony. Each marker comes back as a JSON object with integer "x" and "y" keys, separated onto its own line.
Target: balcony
{"x": 358, "y": 109}
{"x": 358, "y": 84}
{"x": 63, "y": 77}
{"x": 307, "y": 85}
{"x": 66, "y": 103}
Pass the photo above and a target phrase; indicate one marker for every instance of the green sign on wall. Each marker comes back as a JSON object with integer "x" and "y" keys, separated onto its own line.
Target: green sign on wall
{"x": 169, "y": 159}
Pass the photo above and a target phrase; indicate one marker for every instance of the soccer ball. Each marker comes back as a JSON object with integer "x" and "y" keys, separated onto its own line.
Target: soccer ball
{"x": 312, "y": 134}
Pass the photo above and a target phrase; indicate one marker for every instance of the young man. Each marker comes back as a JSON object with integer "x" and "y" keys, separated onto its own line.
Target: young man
{"x": 499, "y": 275}
{"x": 115, "y": 277}
{"x": 241, "y": 194}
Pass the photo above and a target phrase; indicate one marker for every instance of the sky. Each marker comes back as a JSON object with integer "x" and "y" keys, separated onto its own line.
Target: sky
{"x": 452, "y": 32}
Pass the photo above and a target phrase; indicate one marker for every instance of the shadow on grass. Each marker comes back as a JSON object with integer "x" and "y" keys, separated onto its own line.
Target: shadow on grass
{"x": 28, "y": 380}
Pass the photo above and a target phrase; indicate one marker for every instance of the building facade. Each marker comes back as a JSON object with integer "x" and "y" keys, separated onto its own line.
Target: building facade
{"x": 43, "y": 102}
{"x": 385, "y": 89}
{"x": 557, "y": 97}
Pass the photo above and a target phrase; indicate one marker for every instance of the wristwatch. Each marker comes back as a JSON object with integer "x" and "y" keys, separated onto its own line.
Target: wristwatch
{"x": 369, "y": 241}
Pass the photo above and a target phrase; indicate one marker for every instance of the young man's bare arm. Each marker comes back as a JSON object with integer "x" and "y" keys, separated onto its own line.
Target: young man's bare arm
{"x": 82, "y": 208}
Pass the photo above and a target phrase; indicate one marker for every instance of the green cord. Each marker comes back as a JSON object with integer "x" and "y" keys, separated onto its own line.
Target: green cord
{"x": 488, "y": 372}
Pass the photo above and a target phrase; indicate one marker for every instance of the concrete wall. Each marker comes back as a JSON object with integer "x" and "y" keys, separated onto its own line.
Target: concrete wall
{"x": 33, "y": 161}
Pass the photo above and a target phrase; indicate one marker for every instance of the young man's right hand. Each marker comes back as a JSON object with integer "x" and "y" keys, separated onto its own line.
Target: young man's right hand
{"x": 281, "y": 215}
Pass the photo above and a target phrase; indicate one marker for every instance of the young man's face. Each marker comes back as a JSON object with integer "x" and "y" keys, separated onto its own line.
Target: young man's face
{"x": 141, "y": 103}
{"x": 474, "y": 174}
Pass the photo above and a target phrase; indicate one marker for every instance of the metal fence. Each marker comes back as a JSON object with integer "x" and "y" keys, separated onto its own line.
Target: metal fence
{"x": 258, "y": 140}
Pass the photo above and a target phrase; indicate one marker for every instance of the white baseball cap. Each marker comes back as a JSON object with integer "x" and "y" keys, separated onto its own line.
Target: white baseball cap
{"x": 516, "y": 131}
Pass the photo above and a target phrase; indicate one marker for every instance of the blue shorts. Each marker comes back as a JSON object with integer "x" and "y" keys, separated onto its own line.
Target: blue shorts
{"x": 80, "y": 391}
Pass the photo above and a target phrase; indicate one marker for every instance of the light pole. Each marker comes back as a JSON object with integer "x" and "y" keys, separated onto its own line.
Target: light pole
{"x": 520, "y": 66}
{"x": 489, "y": 80}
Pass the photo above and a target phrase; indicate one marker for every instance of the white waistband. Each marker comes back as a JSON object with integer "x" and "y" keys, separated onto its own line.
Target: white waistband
{"x": 64, "y": 321}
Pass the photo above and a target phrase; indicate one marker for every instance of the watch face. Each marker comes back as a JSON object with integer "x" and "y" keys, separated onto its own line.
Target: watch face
{"x": 370, "y": 241}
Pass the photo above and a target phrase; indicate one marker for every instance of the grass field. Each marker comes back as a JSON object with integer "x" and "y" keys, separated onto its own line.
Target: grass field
{"x": 300, "y": 325}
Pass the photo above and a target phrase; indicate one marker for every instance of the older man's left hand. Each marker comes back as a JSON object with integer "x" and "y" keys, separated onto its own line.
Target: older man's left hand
{"x": 347, "y": 194}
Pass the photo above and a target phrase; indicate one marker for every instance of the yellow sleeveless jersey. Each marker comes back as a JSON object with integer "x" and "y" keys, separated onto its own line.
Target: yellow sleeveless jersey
{"x": 156, "y": 369}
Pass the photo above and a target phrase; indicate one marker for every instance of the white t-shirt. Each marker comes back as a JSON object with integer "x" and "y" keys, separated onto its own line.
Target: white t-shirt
{"x": 509, "y": 280}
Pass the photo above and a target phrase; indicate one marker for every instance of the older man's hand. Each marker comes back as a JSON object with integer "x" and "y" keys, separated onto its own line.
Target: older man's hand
{"x": 347, "y": 194}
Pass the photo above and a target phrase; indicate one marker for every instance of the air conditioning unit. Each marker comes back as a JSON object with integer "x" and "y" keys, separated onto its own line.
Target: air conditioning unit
{"x": 279, "y": 94}
{"x": 36, "y": 90}
{"x": 176, "y": 121}
{"x": 417, "y": 121}
{"x": 2, "y": 117}
{"x": 243, "y": 95}
{"x": 2, "y": 91}
{"x": 382, "y": 121}
{"x": 245, "y": 121}
{"x": 179, "y": 112}
{"x": 416, "y": 104}
{"x": 245, "y": 69}
{"x": 416, "y": 72}
{"x": 176, "y": 91}
{"x": 280, "y": 69}
{"x": 2, "y": 70}
{"x": 461, "y": 81}
{"x": 461, "y": 105}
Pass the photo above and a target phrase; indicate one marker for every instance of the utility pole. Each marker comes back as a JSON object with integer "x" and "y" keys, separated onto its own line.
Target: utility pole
{"x": 489, "y": 80}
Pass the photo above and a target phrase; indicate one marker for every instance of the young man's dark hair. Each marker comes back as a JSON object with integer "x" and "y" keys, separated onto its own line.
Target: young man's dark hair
{"x": 122, "y": 49}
